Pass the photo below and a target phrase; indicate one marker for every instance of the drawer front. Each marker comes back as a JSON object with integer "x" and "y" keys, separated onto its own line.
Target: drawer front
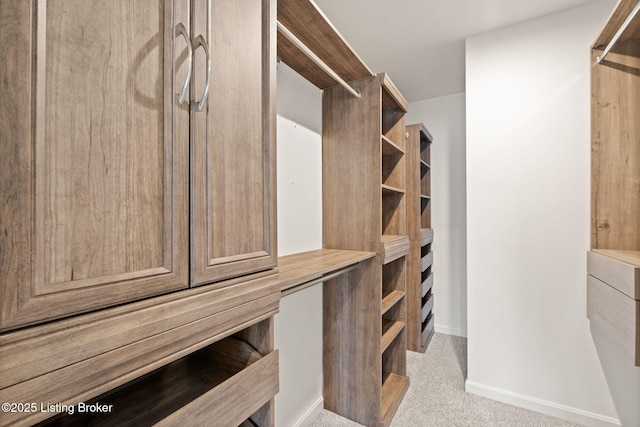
{"x": 617, "y": 269}
{"x": 233, "y": 401}
{"x": 614, "y": 314}
{"x": 96, "y": 375}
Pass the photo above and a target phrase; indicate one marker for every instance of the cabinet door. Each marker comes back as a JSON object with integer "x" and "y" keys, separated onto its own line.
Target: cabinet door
{"x": 233, "y": 140}
{"x": 93, "y": 155}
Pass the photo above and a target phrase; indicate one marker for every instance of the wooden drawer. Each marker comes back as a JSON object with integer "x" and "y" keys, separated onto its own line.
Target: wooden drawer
{"x": 74, "y": 360}
{"x": 234, "y": 400}
{"x": 616, "y": 315}
{"x": 613, "y": 294}
{"x": 227, "y": 381}
{"x": 620, "y": 269}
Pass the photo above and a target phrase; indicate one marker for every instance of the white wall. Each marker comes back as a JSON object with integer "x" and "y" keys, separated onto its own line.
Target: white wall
{"x": 298, "y": 326}
{"x": 444, "y": 117}
{"x": 528, "y": 208}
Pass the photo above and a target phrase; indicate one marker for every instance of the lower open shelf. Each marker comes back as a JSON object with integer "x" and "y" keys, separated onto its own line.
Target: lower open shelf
{"x": 228, "y": 380}
{"x": 394, "y": 387}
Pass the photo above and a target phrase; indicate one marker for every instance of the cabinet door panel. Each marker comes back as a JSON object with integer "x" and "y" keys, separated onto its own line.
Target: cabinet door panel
{"x": 97, "y": 177}
{"x": 233, "y": 140}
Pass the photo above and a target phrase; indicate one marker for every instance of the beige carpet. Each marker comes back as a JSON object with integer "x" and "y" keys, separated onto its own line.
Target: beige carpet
{"x": 436, "y": 396}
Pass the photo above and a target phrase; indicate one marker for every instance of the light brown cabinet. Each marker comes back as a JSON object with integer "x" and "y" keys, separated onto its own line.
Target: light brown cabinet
{"x": 233, "y": 155}
{"x": 113, "y": 190}
{"x": 613, "y": 264}
{"x": 137, "y": 160}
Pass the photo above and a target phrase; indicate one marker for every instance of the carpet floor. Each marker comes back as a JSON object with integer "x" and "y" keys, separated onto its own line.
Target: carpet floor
{"x": 436, "y": 396}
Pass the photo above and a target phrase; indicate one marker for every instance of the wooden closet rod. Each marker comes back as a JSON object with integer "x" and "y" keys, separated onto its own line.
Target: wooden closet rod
{"x": 618, "y": 33}
{"x": 308, "y": 52}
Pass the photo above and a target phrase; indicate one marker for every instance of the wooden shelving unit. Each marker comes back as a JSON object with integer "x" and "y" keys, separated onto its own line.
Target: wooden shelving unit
{"x": 364, "y": 200}
{"x": 613, "y": 266}
{"x": 420, "y": 319}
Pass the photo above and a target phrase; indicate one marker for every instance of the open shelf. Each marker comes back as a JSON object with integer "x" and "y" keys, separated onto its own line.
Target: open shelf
{"x": 198, "y": 387}
{"x": 391, "y": 300}
{"x": 392, "y": 190}
{"x": 393, "y": 389}
{"x": 310, "y": 25}
{"x": 390, "y": 148}
{"x": 390, "y": 331}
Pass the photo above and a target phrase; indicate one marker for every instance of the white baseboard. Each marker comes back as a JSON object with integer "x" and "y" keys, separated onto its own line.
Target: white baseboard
{"x": 442, "y": 329}
{"x": 538, "y": 405}
{"x": 310, "y": 413}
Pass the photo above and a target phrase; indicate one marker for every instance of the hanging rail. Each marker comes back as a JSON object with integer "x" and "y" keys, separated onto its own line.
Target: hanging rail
{"x": 308, "y": 52}
{"x": 618, "y": 33}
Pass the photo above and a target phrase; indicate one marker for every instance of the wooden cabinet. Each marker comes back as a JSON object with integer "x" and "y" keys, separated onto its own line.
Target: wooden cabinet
{"x": 113, "y": 190}
{"x": 420, "y": 318}
{"x": 613, "y": 293}
{"x": 364, "y": 209}
{"x": 233, "y": 159}
{"x": 137, "y": 161}
{"x": 94, "y": 157}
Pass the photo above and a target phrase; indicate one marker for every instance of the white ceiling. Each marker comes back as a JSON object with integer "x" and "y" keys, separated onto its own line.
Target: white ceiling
{"x": 420, "y": 43}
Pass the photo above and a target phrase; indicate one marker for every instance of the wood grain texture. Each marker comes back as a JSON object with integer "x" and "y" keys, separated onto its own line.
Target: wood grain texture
{"x": 363, "y": 209}
{"x": 616, "y": 315}
{"x": 615, "y": 153}
{"x": 393, "y": 389}
{"x": 234, "y": 143}
{"x": 390, "y": 300}
{"x": 304, "y": 267}
{"x": 351, "y": 167}
{"x": 390, "y": 331}
{"x": 419, "y": 279}
{"x": 352, "y": 332}
{"x": 228, "y": 380}
{"x": 395, "y": 96}
{"x": 307, "y": 22}
{"x": 618, "y": 16}
{"x": 101, "y": 211}
{"x": 141, "y": 337}
{"x": 620, "y": 269}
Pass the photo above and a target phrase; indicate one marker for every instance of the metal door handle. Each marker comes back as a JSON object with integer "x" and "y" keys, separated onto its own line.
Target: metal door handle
{"x": 200, "y": 41}
{"x": 181, "y": 30}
